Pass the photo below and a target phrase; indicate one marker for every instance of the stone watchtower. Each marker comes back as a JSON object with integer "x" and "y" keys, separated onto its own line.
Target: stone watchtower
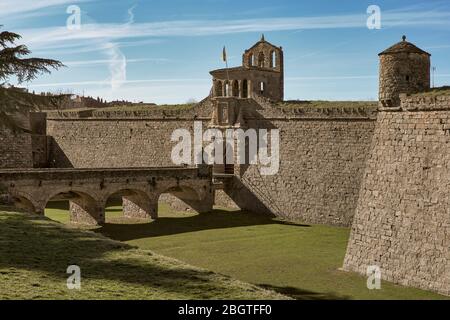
{"x": 404, "y": 68}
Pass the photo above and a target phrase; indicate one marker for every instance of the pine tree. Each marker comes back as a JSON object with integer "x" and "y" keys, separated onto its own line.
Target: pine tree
{"x": 13, "y": 63}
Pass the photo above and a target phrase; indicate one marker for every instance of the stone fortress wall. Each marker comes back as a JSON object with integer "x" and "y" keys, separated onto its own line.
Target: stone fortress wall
{"x": 402, "y": 221}
{"x": 15, "y": 149}
{"x": 23, "y": 142}
{"x": 322, "y": 158}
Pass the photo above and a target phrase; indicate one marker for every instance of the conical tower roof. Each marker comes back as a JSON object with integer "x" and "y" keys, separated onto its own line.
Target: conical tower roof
{"x": 403, "y": 47}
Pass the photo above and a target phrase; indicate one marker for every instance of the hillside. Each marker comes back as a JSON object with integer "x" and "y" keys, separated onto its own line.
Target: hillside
{"x": 35, "y": 253}
{"x": 17, "y": 100}
{"x": 15, "y": 104}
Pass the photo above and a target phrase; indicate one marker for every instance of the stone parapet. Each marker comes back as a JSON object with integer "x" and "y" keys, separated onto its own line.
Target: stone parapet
{"x": 424, "y": 102}
{"x": 339, "y": 112}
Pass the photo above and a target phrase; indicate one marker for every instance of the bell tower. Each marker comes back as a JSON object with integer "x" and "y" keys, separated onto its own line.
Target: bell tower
{"x": 261, "y": 73}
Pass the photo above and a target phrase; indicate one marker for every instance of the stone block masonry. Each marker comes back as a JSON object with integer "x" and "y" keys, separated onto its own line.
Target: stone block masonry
{"x": 402, "y": 221}
{"x": 15, "y": 149}
{"x": 118, "y": 139}
{"x": 321, "y": 168}
{"x": 112, "y": 143}
{"x": 22, "y": 147}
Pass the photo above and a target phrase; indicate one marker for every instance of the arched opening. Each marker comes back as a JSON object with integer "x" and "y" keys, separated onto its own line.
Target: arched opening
{"x": 261, "y": 60}
{"x": 235, "y": 88}
{"x": 23, "y": 203}
{"x": 273, "y": 60}
{"x": 262, "y": 88}
{"x": 227, "y": 89}
{"x": 75, "y": 207}
{"x": 129, "y": 205}
{"x": 218, "y": 88}
{"x": 179, "y": 199}
{"x": 228, "y": 159}
{"x": 251, "y": 60}
{"x": 245, "y": 89}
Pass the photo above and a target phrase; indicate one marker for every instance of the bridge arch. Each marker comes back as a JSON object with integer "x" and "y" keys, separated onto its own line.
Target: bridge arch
{"x": 136, "y": 203}
{"x": 183, "y": 197}
{"x": 84, "y": 208}
{"x": 26, "y": 202}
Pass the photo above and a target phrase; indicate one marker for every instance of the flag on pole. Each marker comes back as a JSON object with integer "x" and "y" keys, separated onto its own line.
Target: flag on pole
{"x": 224, "y": 54}
{"x": 224, "y": 58}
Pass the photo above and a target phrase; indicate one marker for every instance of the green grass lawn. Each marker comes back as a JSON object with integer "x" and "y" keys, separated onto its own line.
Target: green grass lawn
{"x": 35, "y": 253}
{"x": 298, "y": 260}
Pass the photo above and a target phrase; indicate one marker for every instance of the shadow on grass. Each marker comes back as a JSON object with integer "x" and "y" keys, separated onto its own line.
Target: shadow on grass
{"x": 299, "y": 294}
{"x": 217, "y": 219}
{"x": 114, "y": 210}
{"x": 35, "y": 243}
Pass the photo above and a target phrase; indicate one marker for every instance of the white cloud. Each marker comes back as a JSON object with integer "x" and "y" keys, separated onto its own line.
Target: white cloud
{"x": 12, "y": 7}
{"x": 109, "y": 37}
{"x": 108, "y": 61}
{"x": 114, "y": 31}
{"x": 126, "y": 82}
{"x": 117, "y": 66}
{"x": 131, "y": 14}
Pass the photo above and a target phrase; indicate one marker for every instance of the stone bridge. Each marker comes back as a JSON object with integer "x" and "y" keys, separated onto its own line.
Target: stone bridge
{"x": 88, "y": 190}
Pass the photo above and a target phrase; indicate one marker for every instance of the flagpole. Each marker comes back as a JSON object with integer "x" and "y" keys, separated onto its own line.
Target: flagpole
{"x": 434, "y": 72}
{"x": 225, "y": 58}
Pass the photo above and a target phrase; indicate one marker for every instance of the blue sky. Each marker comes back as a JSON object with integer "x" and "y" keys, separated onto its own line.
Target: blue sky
{"x": 162, "y": 51}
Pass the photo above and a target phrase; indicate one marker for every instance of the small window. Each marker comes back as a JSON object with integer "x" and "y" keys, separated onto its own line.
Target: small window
{"x": 245, "y": 89}
{"x": 407, "y": 78}
{"x": 262, "y": 88}
{"x": 251, "y": 60}
{"x": 235, "y": 90}
{"x": 224, "y": 114}
{"x": 227, "y": 89}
